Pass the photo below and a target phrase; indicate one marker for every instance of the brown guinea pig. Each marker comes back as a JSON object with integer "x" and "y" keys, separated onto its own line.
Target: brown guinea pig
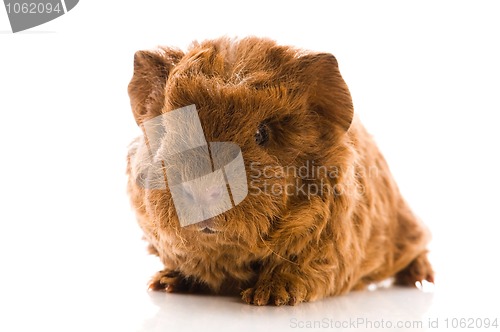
{"x": 322, "y": 214}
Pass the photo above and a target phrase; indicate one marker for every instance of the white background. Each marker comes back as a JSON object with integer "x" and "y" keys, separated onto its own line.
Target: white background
{"x": 425, "y": 79}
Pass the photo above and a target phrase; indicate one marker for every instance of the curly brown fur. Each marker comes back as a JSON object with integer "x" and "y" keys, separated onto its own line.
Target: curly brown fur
{"x": 282, "y": 248}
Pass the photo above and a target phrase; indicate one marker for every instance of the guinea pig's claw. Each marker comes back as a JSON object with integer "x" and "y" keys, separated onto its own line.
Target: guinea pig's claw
{"x": 172, "y": 281}
{"x": 164, "y": 280}
{"x": 275, "y": 292}
{"x": 418, "y": 270}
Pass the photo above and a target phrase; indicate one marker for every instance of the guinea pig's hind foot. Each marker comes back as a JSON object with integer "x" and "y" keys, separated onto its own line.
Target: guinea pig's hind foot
{"x": 173, "y": 281}
{"x": 418, "y": 270}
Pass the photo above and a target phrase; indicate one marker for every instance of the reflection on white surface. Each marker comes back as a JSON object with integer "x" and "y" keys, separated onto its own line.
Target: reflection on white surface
{"x": 356, "y": 310}
{"x": 394, "y": 308}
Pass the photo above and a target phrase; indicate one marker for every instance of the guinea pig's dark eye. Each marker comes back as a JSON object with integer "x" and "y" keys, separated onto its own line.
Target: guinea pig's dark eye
{"x": 262, "y": 134}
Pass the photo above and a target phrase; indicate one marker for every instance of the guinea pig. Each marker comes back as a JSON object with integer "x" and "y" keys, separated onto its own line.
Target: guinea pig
{"x": 322, "y": 214}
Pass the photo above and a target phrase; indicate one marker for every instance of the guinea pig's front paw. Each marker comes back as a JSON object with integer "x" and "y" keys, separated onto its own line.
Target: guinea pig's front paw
{"x": 172, "y": 281}
{"x": 275, "y": 289}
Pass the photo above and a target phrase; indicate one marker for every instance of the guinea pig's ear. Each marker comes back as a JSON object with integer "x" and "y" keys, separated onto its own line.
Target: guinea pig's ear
{"x": 328, "y": 93}
{"x": 147, "y": 87}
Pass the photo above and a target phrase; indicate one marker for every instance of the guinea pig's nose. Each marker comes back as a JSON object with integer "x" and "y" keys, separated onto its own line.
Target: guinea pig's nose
{"x": 209, "y": 194}
{"x": 213, "y": 192}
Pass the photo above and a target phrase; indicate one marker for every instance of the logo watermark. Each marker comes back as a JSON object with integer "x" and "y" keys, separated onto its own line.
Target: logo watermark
{"x": 27, "y": 14}
{"x": 205, "y": 179}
